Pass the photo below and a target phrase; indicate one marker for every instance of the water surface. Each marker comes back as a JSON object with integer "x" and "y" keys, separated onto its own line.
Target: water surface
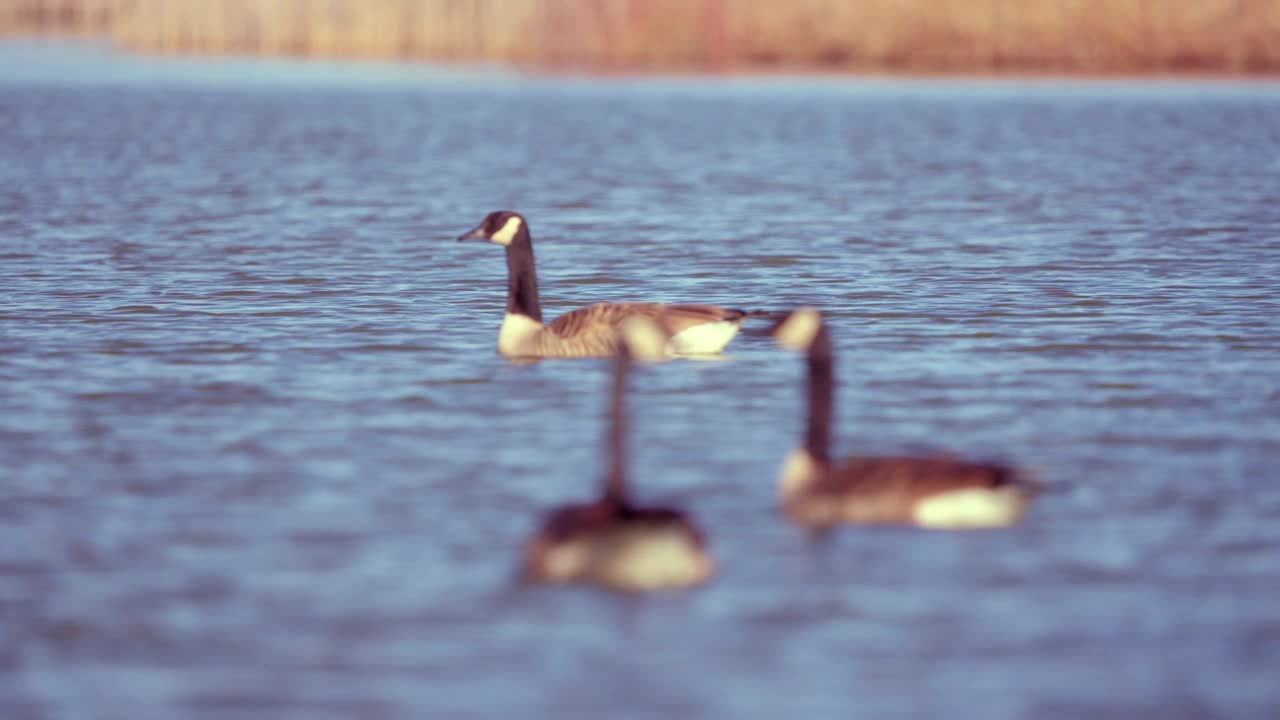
{"x": 260, "y": 458}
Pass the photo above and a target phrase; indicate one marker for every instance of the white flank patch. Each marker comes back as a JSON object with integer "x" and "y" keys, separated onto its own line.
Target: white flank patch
{"x": 705, "y": 339}
{"x": 655, "y": 559}
{"x": 798, "y": 473}
{"x": 507, "y": 233}
{"x": 799, "y": 329}
{"x": 516, "y": 335}
{"x": 971, "y": 508}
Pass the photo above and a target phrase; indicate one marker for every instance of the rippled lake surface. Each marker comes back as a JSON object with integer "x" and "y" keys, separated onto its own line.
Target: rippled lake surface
{"x": 260, "y": 458}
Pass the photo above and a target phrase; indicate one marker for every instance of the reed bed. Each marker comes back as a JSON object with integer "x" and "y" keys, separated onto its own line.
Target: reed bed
{"x": 1085, "y": 36}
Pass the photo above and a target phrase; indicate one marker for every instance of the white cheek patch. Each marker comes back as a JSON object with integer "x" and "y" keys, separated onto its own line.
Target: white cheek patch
{"x": 799, "y": 329}
{"x": 644, "y": 339}
{"x": 507, "y": 233}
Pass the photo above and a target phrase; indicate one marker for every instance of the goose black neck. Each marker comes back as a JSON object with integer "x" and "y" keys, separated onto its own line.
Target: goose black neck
{"x": 821, "y": 397}
{"x": 616, "y": 441}
{"x": 522, "y": 277}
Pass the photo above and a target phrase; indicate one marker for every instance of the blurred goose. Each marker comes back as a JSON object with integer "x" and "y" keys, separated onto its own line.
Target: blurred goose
{"x": 935, "y": 492}
{"x": 612, "y": 542}
{"x": 590, "y": 331}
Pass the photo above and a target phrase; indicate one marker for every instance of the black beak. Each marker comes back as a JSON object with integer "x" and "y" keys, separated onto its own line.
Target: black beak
{"x": 476, "y": 234}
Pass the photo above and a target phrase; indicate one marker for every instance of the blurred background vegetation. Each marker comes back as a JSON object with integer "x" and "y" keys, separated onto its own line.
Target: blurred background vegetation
{"x": 1084, "y": 36}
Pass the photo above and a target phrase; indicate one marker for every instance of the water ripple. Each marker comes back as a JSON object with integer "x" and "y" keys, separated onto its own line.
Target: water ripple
{"x": 261, "y": 458}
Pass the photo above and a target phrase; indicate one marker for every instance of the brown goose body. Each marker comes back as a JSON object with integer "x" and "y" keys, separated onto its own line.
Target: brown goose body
{"x": 937, "y": 492}
{"x": 612, "y": 542}
{"x": 618, "y": 546}
{"x": 590, "y": 331}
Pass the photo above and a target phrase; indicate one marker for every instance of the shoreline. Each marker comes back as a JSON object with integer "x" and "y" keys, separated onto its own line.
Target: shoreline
{"x": 931, "y": 39}
{"x": 111, "y": 48}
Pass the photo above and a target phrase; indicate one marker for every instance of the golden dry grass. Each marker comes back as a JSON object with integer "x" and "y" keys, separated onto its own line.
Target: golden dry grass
{"x": 1088, "y": 36}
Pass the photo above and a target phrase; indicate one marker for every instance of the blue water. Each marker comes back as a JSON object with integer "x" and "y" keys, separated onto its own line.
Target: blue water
{"x": 258, "y": 457}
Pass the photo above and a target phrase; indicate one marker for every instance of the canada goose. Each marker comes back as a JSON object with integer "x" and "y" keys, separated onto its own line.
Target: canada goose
{"x": 936, "y": 492}
{"x": 611, "y": 542}
{"x": 590, "y": 331}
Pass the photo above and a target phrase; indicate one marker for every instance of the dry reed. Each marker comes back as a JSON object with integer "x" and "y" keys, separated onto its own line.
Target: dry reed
{"x": 1088, "y": 36}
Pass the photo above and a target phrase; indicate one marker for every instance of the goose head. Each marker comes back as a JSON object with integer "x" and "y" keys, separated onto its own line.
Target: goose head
{"x": 798, "y": 330}
{"x": 644, "y": 339}
{"x": 501, "y": 227}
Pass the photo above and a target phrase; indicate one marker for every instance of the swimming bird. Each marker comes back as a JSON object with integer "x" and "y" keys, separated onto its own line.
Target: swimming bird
{"x": 937, "y": 492}
{"x": 591, "y": 331}
{"x": 613, "y": 542}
